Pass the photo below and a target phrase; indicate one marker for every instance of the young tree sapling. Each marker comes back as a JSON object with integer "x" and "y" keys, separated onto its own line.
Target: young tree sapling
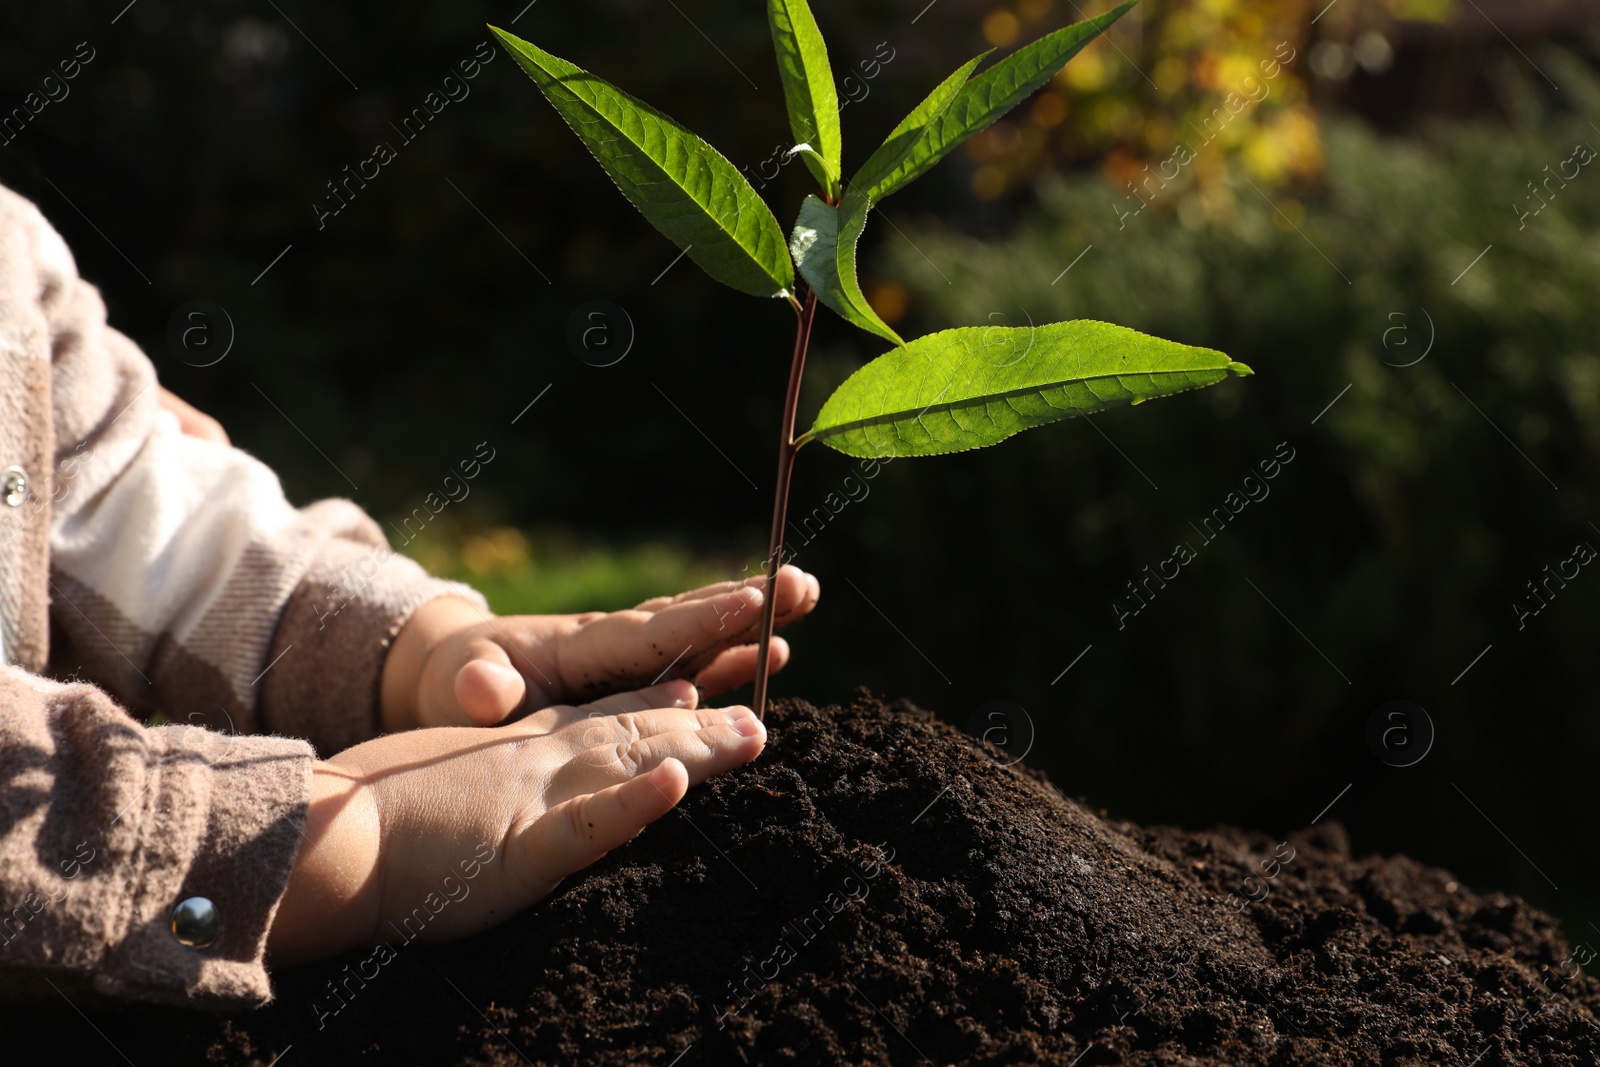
{"x": 949, "y": 391}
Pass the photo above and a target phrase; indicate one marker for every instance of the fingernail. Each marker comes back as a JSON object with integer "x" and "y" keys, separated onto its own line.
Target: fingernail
{"x": 744, "y": 722}
{"x": 747, "y": 597}
{"x": 502, "y": 670}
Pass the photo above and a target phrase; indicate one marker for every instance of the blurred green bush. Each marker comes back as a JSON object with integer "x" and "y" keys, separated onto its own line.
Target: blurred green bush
{"x": 1421, "y": 503}
{"x": 553, "y": 572}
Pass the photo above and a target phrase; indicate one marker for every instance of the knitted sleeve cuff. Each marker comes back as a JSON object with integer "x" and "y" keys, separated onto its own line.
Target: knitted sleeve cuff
{"x": 110, "y": 825}
{"x": 327, "y": 656}
{"x": 219, "y": 818}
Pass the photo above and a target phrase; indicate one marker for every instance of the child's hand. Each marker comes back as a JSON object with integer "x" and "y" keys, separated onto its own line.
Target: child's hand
{"x": 441, "y": 833}
{"x": 452, "y": 665}
{"x": 191, "y": 420}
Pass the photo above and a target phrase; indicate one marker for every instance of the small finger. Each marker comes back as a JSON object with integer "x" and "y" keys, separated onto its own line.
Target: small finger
{"x": 705, "y": 751}
{"x": 684, "y": 637}
{"x": 705, "y": 592}
{"x": 674, "y": 694}
{"x": 736, "y": 666}
{"x": 788, "y": 575}
{"x": 656, "y": 603}
{"x": 718, "y": 619}
{"x": 489, "y": 688}
{"x": 677, "y": 694}
{"x": 192, "y": 422}
{"x": 205, "y": 428}
{"x": 794, "y": 588}
{"x": 798, "y": 593}
{"x": 576, "y": 832}
{"x": 673, "y": 635}
{"x": 611, "y": 730}
{"x": 796, "y": 601}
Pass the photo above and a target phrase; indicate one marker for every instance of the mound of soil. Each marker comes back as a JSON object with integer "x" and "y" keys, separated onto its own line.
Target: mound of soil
{"x": 881, "y": 889}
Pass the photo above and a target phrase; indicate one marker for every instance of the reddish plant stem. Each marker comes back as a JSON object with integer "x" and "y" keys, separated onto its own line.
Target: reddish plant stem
{"x": 780, "y": 498}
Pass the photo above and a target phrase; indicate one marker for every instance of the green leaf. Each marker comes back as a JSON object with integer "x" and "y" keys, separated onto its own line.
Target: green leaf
{"x": 683, "y": 186}
{"x": 988, "y": 96}
{"x": 856, "y": 204}
{"x": 975, "y": 386}
{"x": 808, "y": 87}
{"x": 836, "y": 285}
{"x": 899, "y": 143}
{"x": 824, "y": 249}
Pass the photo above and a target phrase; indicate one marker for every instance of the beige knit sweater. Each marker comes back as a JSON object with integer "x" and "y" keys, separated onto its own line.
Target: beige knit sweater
{"x": 172, "y": 574}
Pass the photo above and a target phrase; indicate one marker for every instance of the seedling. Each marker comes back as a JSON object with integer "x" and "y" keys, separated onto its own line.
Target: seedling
{"x": 946, "y": 392}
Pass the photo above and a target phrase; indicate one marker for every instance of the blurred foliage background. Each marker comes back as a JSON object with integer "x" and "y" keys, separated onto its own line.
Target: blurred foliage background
{"x": 1382, "y": 207}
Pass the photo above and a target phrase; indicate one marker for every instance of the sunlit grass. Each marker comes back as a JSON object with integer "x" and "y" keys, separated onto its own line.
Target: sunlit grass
{"x": 546, "y": 572}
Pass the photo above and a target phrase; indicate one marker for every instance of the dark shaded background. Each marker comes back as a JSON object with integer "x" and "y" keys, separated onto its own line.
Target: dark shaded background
{"x": 380, "y": 350}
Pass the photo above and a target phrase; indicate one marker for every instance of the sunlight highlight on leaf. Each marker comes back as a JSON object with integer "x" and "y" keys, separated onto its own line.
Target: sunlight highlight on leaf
{"x": 987, "y": 97}
{"x": 975, "y": 386}
{"x": 824, "y": 249}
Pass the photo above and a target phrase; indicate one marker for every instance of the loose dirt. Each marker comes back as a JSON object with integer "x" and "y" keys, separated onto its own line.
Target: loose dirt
{"x": 879, "y": 888}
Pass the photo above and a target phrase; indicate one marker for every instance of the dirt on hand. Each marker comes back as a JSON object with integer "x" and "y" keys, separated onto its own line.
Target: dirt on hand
{"x": 879, "y": 888}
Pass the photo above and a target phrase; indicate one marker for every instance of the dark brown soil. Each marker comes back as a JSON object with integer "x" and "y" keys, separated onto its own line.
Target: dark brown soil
{"x": 879, "y": 889}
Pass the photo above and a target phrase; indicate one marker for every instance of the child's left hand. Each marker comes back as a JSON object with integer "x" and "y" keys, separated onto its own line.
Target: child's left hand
{"x": 453, "y": 665}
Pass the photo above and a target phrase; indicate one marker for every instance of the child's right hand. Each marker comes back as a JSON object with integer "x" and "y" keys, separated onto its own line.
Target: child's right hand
{"x": 458, "y": 829}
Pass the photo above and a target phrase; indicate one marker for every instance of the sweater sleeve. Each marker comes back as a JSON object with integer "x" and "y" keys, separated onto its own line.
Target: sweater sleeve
{"x": 105, "y": 826}
{"x": 182, "y": 577}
